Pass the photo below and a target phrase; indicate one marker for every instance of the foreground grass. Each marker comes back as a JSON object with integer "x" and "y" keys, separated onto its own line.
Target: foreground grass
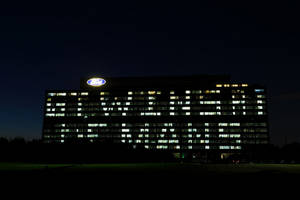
{"x": 163, "y": 168}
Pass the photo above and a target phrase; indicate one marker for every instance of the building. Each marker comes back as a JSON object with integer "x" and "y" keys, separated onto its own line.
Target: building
{"x": 194, "y": 113}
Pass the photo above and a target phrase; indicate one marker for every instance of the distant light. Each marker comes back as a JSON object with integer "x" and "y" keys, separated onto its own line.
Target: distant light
{"x": 96, "y": 82}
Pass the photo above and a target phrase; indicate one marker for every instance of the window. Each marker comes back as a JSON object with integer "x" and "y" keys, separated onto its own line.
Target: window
{"x": 51, "y": 94}
{"x": 259, "y": 90}
{"x": 151, "y": 92}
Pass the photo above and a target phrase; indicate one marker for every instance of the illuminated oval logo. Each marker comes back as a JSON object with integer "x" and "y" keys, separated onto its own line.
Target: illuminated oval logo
{"x": 96, "y": 82}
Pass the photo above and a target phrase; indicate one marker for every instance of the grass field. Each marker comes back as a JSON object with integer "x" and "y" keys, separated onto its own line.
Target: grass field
{"x": 157, "y": 176}
{"x": 167, "y": 168}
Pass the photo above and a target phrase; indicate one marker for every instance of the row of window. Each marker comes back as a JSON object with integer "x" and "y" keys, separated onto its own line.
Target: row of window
{"x": 169, "y": 124}
{"x": 152, "y": 114}
{"x": 161, "y": 103}
{"x": 164, "y": 130}
{"x": 172, "y": 92}
{"x": 157, "y": 108}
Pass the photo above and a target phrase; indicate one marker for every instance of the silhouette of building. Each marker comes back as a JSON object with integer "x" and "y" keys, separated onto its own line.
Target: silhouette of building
{"x": 192, "y": 113}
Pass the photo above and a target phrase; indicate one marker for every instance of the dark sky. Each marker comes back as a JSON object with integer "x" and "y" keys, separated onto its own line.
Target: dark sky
{"x": 50, "y": 46}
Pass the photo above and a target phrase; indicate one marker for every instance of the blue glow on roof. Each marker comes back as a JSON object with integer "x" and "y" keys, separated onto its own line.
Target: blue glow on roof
{"x": 96, "y": 82}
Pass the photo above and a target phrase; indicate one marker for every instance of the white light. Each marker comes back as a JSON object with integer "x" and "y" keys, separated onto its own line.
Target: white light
{"x": 96, "y": 82}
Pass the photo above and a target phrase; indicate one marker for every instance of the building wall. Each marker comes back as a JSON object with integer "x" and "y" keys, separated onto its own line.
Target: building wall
{"x": 198, "y": 113}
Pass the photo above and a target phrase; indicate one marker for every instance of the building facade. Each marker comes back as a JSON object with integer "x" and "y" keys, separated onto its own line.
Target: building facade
{"x": 173, "y": 113}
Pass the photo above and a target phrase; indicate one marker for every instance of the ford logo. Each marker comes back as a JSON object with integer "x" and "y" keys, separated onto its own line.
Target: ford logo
{"x": 96, "y": 82}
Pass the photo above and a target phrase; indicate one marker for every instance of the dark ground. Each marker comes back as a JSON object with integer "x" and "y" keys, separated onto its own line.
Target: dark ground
{"x": 150, "y": 177}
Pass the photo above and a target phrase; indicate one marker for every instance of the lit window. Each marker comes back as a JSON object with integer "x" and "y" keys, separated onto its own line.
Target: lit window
{"x": 104, "y": 93}
{"x": 188, "y": 92}
{"x": 61, "y": 94}
{"x": 223, "y": 124}
{"x": 186, "y": 108}
{"x": 260, "y": 96}
{"x": 51, "y": 94}
{"x": 234, "y": 124}
{"x": 92, "y": 125}
{"x": 151, "y": 92}
{"x": 219, "y": 85}
{"x": 259, "y": 101}
{"x": 259, "y": 90}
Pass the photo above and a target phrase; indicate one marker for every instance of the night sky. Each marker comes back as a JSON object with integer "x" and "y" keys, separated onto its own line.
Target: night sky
{"x": 51, "y": 46}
